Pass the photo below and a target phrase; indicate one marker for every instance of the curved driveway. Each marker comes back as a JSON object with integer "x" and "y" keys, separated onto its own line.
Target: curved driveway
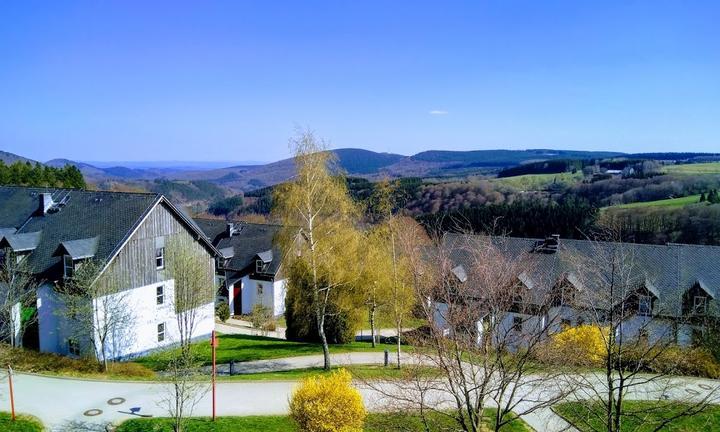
{"x": 61, "y": 402}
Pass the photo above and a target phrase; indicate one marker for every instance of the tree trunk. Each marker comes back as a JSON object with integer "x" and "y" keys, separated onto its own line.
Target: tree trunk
{"x": 399, "y": 333}
{"x": 372, "y": 324}
{"x": 323, "y": 339}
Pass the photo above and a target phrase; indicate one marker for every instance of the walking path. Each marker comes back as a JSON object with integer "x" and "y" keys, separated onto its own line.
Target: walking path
{"x": 63, "y": 404}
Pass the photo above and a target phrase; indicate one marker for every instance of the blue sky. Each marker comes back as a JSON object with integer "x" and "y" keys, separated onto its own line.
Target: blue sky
{"x": 213, "y": 80}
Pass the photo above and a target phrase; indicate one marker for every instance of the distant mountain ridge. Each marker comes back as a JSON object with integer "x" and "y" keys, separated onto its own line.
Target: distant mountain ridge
{"x": 11, "y": 158}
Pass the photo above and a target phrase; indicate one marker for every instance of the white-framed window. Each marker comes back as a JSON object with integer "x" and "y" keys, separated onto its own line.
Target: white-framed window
{"x": 160, "y": 294}
{"x": 644, "y": 305}
{"x": 700, "y": 305}
{"x": 68, "y": 266}
{"x": 161, "y": 332}
{"x": 73, "y": 347}
{"x": 259, "y": 266}
{"x": 160, "y": 258}
{"x": 517, "y": 323}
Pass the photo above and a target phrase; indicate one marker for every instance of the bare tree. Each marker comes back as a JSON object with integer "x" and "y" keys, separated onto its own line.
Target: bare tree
{"x": 639, "y": 334}
{"x": 96, "y": 307}
{"x": 486, "y": 328}
{"x": 17, "y": 294}
{"x": 192, "y": 274}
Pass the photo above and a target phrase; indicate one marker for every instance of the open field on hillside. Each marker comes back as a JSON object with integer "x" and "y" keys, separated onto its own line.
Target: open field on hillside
{"x": 645, "y": 420}
{"x": 242, "y": 348}
{"x": 375, "y": 422}
{"x": 698, "y": 168}
{"x": 538, "y": 181}
{"x": 670, "y": 202}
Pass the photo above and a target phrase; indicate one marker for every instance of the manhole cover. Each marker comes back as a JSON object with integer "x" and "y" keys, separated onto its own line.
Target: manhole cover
{"x": 116, "y": 401}
{"x": 92, "y": 412}
{"x": 692, "y": 391}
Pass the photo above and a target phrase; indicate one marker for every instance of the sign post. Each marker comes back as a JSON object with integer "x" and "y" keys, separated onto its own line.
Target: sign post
{"x": 12, "y": 396}
{"x": 213, "y": 344}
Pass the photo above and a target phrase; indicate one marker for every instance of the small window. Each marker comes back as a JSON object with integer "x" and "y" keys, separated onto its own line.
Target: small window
{"x": 73, "y": 347}
{"x": 517, "y": 323}
{"x": 160, "y": 294}
{"x": 700, "y": 305}
{"x": 68, "y": 266}
{"x": 260, "y": 289}
{"x": 565, "y": 324}
{"x": 644, "y": 305}
{"x": 160, "y": 258}
{"x": 259, "y": 266}
{"x": 161, "y": 332}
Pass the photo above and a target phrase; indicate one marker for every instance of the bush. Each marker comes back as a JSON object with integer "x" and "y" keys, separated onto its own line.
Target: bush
{"x": 674, "y": 360}
{"x": 584, "y": 344}
{"x": 260, "y": 316}
{"x": 222, "y": 311}
{"x": 328, "y": 404}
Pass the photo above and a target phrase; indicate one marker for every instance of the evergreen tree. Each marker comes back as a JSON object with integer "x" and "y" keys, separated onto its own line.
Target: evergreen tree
{"x": 702, "y": 197}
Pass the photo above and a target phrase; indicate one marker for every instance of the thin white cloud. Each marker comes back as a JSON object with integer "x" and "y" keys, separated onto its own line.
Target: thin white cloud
{"x": 438, "y": 112}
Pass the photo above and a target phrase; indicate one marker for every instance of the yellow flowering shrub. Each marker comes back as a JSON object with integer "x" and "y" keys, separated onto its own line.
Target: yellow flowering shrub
{"x": 584, "y": 345}
{"x": 328, "y": 404}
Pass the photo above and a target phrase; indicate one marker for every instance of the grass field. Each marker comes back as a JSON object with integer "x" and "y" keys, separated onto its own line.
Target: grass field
{"x": 374, "y": 423}
{"x": 670, "y": 202}
{"x": 241, "y": 348}
{"x": 698, "y": 168}
{"x": 22, "y": 423}
{"x": 358, "y": 371}
{"x": 538, "y": 181}
{"x": 588, "y": 419}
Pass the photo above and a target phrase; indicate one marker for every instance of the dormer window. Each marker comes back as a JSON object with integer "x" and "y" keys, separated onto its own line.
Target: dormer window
{"x": 68, "y": 266}
{"x": 259, "y": 266}
{"x": 700, "y": 305}
{"x": 644, "y": 305}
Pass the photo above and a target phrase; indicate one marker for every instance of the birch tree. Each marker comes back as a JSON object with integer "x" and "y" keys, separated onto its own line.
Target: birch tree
{"x": 319, "y": 232}
{"x": 96, "y": 307}
{"x": 192, "y": 273}
{"x": 17, "y": 292}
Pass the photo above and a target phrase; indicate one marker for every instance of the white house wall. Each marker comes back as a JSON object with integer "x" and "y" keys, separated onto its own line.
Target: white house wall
{"x": 279, "y": 291}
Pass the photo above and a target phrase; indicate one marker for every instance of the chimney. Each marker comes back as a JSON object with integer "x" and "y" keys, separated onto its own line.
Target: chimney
{"x": 46, "y": 202}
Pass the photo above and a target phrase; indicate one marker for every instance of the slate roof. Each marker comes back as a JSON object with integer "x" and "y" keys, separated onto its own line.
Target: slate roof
{"x": 249, "y": 242}
{"x": 667, "y": 271}
{"x": 88, "y": 223}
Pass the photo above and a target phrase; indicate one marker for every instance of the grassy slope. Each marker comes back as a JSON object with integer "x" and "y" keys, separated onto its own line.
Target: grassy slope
{"x": 699, "y": 168}
{"x": 242, "y": 348}
{"x": 22, "y": 423}
{"x": 670, "y": 202}
{"x": 374, "y": 423}
{"x": 538, "y": 181}
{"x": 584, "y": 420}
{"x": 358, "y": 371}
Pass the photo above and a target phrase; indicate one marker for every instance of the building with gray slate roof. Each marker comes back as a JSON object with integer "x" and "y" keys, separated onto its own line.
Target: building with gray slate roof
{"x": 672, "y": 289}
{"x": 54, "y": 231}
{"x": 250, "y": 267}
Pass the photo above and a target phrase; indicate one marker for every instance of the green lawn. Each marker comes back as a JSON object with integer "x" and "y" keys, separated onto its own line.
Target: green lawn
{"x": 376, "y": 422}
{"x": 698, "y": 168}
{"x": 357, "y": 371}
{"x": 670, "y": 202}
{"x": 22, "y": 423}
{"x": 538, "y": 181}
{"x": 588, "y": 419}
{"x": 241, "y": 348}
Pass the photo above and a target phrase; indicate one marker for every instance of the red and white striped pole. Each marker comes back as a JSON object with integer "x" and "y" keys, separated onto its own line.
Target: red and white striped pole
{"x": 213, "y": 343}
{"x": 12, "y": 395}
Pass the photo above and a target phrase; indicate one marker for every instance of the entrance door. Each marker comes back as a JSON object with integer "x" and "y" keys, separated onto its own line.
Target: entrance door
{"x": 237, "y": 299}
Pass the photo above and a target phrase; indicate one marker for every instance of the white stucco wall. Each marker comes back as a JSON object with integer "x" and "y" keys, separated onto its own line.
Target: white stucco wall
{"x": 135, "y": 332}
{"x": 273, "y": 295}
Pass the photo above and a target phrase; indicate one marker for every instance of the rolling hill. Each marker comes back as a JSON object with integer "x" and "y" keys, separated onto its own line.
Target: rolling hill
{"x": 11, "y": 158}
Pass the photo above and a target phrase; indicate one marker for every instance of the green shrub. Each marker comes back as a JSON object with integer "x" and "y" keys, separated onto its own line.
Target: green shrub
{"x": 222, "y": 311}
{"x": 685, "y": 361}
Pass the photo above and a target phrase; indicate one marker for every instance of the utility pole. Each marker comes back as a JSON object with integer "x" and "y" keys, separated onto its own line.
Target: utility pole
{"x": 12, "y": 395}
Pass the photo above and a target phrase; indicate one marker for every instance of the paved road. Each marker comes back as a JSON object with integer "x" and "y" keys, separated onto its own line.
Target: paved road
{"x": 60, "y": 403}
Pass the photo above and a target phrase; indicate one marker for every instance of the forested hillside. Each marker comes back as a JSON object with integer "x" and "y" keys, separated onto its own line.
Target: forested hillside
{"x": 27, "y": 174}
